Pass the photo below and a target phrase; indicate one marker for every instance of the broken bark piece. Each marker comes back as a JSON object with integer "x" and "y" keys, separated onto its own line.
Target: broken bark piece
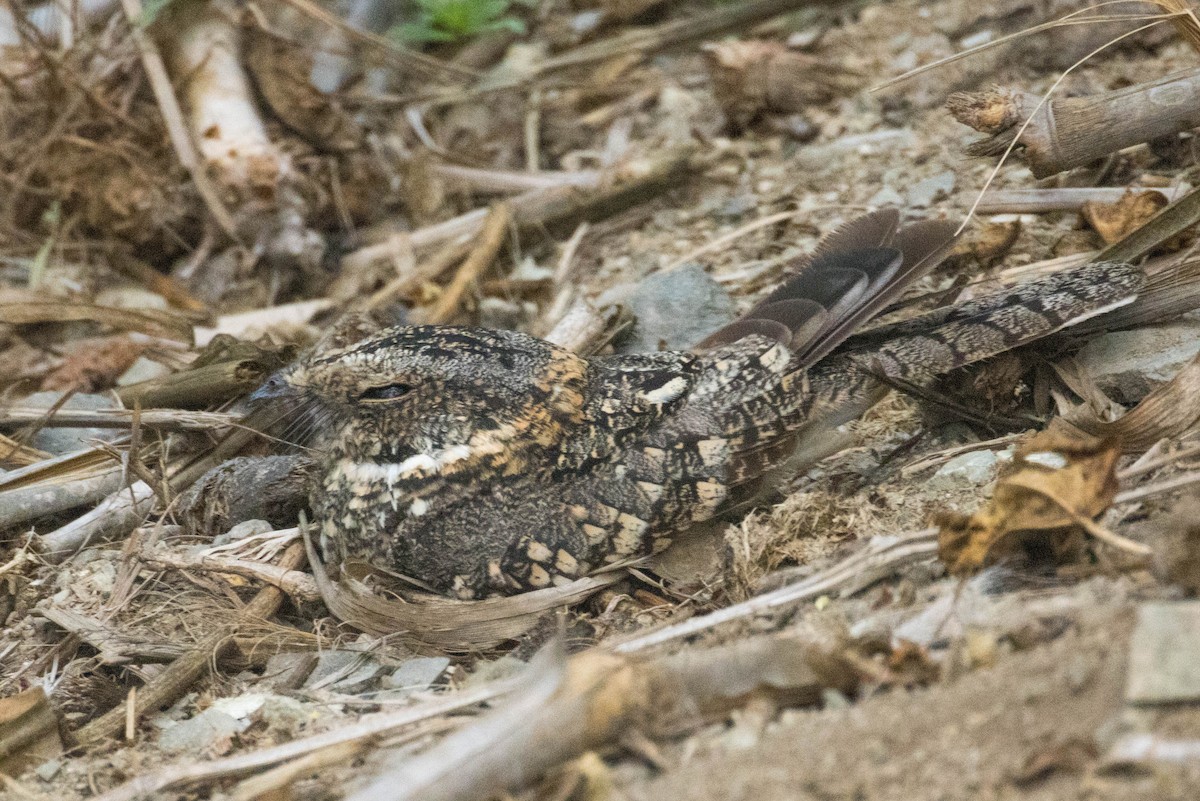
{"x": 589, "y": 701}
{"x": 271, "y": 488}
{"x": 29, "y": 731}
{"x": 753, "y": 77}
{"x": 1072, "y": 131}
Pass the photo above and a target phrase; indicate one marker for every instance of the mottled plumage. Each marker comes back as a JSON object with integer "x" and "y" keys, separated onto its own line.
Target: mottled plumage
{"x": 481, "y": 462}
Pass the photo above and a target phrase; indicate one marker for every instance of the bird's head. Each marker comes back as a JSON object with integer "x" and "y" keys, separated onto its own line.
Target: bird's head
{"x": 434, "y": 395}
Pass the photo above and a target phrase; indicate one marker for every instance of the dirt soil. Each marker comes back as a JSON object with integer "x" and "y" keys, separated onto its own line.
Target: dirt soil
{"x": 1024, "y": 728}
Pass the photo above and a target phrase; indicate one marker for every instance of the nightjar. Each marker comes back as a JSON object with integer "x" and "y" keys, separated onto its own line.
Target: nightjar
{"x": 480, "y": 462}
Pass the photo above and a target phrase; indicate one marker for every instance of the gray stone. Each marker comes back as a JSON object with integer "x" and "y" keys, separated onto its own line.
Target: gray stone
{"x": 48, "y": 769}
{"x": 886, "y": 196}
{"x": 288, "y": 670}
{"x": 244, "y": 529}
{"x": 933, "y": 189}
{"x": 1164, "y": 654}
{"x": 1126, "y": 365}
{"x": 345, "y": 672}
{"x": 286, "y": 716}
{"x": 675, "y": 310}
{"x": 416, "y": 674}
{"x": 65, "y": 440}
{"x": 199, "y": 733}
{"x": 143, "y": 369}
{"x": 738, "y": 206}
{"x": 976, "y": 467}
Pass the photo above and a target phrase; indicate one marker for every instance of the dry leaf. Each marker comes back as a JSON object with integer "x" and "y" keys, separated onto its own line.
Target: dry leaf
{"x": 988, "y": 243}
{"x": 1114, "y": 221}
{"x": 1057, "y": 485}
{"x": 92, "y": 365}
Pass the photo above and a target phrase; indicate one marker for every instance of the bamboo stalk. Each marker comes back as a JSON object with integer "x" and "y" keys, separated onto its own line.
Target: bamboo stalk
{"x": 1073, "y": 131}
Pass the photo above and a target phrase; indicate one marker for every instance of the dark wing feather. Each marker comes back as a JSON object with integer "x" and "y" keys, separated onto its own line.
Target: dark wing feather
{"x": 853, "y": 273}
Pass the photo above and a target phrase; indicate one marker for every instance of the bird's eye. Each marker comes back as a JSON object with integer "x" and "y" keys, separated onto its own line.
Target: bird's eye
{"x": 386, "y": 392}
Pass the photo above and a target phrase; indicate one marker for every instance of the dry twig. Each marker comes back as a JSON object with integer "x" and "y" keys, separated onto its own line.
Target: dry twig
{"x": 491, "y": 239}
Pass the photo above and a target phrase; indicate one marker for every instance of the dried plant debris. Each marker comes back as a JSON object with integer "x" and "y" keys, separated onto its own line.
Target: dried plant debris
{"x": 1041, "y": 507}
{"x": 29, "y": 731}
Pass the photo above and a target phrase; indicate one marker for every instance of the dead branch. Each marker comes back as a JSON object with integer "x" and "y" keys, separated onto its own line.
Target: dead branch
{"x": 118, "y": 514}
{"x": 879, "y": 559}
{"x": 593, "y": 698}
{"x": 168, "y": 103}
{"x": 1040, "y": 201}
{"x": 123, "y": 511}
{"x": 512, "y": 181}
{"x": 149, "y": 321}
{"x": 296, "y": 583}
{"x": 46, "y": 498}
{"x": 585, "y": 329}
{"x": 1073, "y": 131}
{"x": 561, "y": 204}
{"x": 159, "y": 419}
{"x": 646, "y": 41}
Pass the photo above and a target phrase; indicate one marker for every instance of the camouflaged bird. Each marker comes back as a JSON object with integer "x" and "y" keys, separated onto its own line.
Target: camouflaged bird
{"x": 482, "y": 462}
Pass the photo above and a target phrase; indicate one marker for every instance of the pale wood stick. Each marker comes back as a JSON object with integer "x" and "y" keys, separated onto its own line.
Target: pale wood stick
{"x": 1039, "y": 201}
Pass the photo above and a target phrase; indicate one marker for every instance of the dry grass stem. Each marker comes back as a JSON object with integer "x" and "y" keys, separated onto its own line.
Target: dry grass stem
{"x": 491, "y": 239}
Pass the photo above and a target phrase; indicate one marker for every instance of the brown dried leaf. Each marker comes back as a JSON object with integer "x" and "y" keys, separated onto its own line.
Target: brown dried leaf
{"x": 756, "y": 76}
{"x": 988, "y": 243}
{"x": 92, "y": 365}
{"x": 1114, "y": 221}
{"x": 280, "y": 68}
{"x": 1058, "y": 484}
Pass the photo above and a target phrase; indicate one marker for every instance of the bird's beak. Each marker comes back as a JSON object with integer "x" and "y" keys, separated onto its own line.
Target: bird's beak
{"x": 274, "y": 388}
